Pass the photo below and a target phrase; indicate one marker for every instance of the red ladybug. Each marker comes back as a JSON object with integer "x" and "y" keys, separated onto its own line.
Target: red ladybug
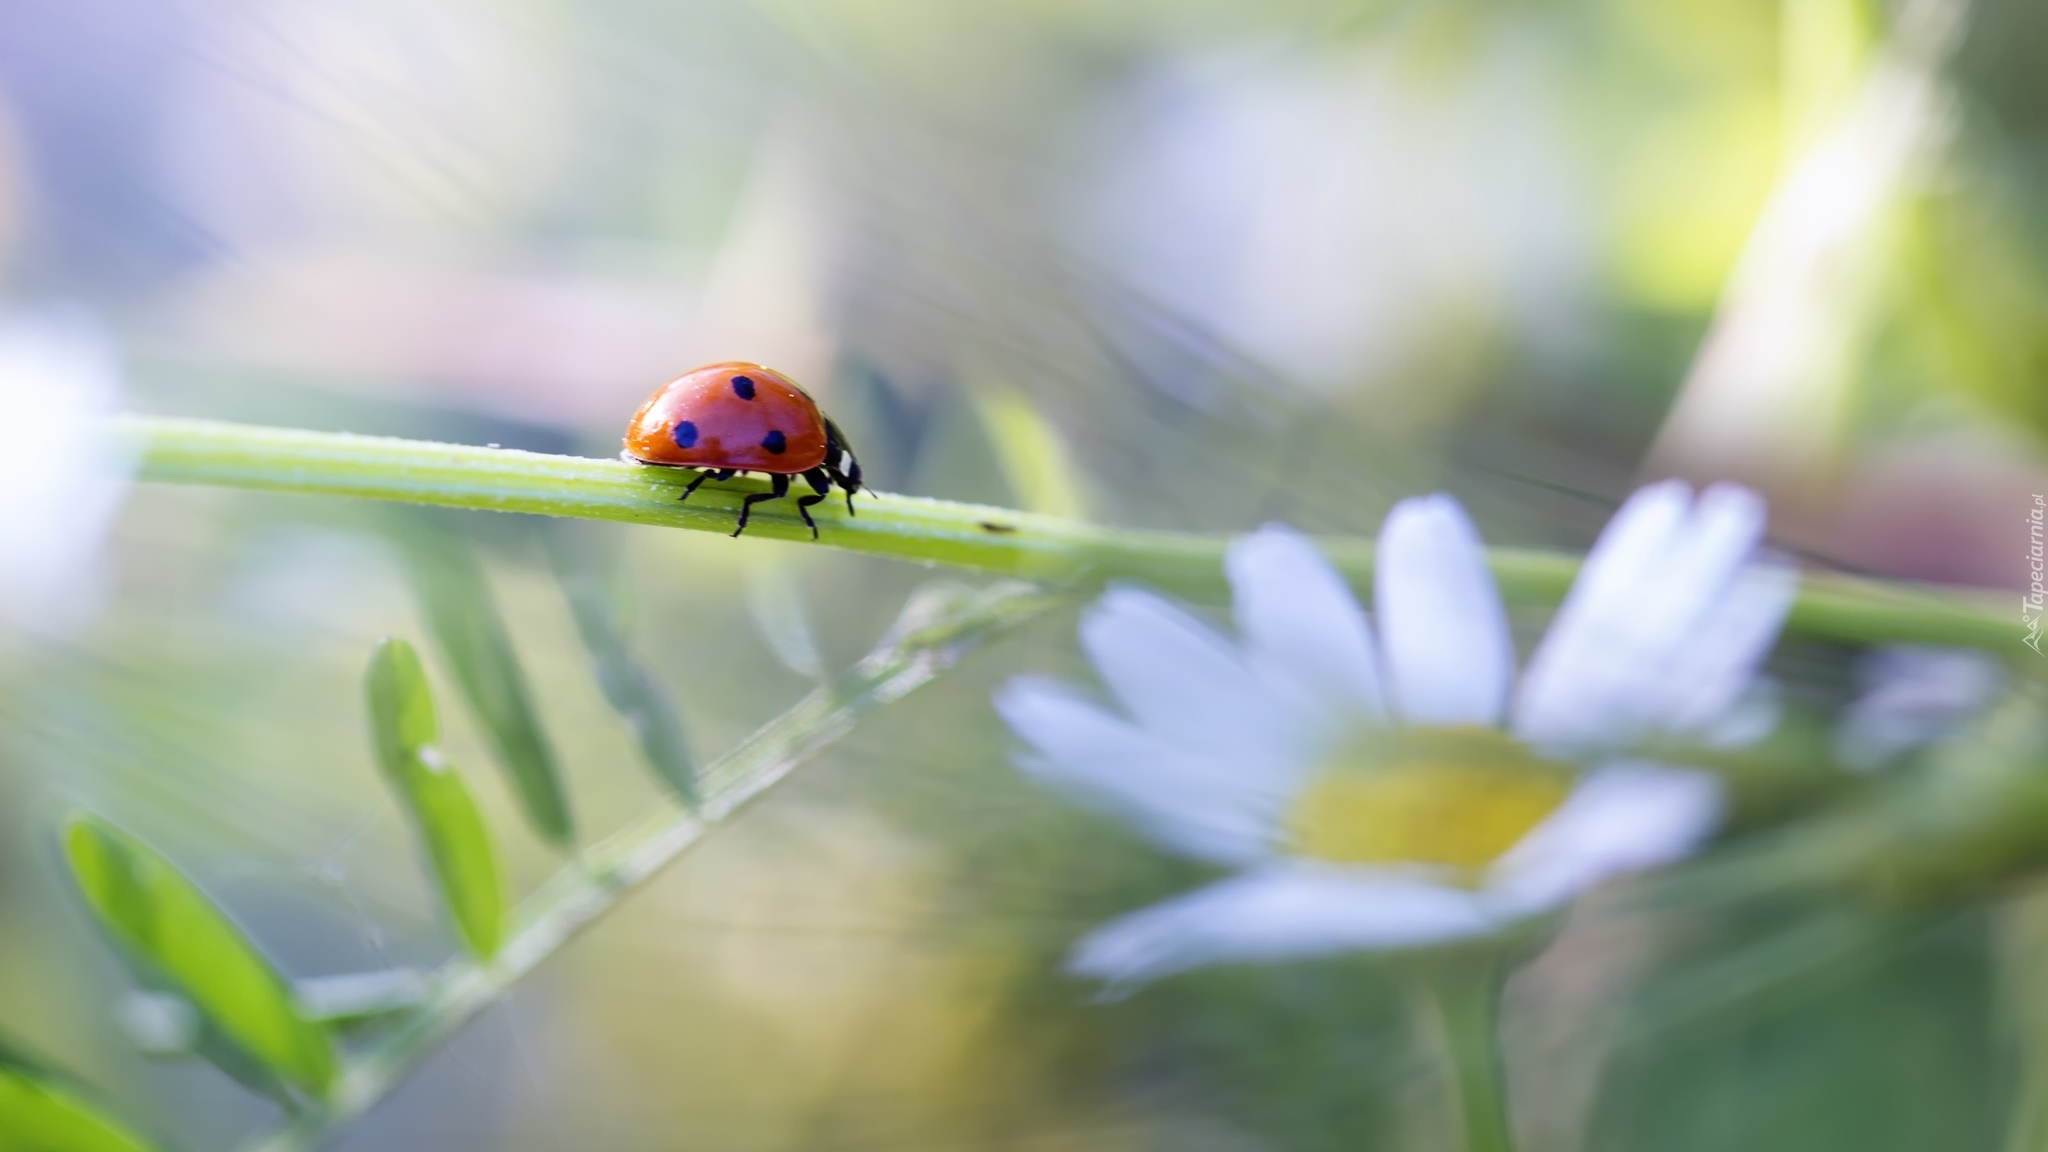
{"x": 732, "y": 417}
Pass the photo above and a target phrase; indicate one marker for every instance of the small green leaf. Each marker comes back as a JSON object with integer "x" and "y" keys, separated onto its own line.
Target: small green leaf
{"x": 167, "y": 925}
{"x": 1034, "y": 458}
{"x": 631, "y": 689}
{"x": 456, "y": 600}
{"x": 777, "y": 605}
{"x": 458, "y": 846}
{"x": 42, "y": 1113}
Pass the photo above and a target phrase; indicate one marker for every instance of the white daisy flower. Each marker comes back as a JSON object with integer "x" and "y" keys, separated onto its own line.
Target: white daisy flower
{"x": 1395, "y": 786}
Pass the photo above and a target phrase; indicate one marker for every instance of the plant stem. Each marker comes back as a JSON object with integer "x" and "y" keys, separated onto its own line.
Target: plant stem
{"x": 1047, "y": 549}
{"x": 934, "y": 631}
{"x": 1466, "y": 991}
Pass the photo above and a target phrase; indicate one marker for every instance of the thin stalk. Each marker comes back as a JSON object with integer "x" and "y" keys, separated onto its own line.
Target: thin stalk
{"x": 1046, "y": 549}
{"x": 929, "y": 638}
{"x": 1465, "y": 991}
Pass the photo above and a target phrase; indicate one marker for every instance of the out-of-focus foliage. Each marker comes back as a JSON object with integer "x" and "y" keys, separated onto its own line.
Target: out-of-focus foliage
{"x": 641, "y": 699}
{"x": 458, "y": 846}
{"x": 455, "y": 597}
{"x": 174, "y": 934}
{"x": 40, "y": 1114}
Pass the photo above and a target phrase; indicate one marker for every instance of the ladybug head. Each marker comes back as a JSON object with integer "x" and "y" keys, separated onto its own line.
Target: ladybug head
{"x": 839, "y": 459}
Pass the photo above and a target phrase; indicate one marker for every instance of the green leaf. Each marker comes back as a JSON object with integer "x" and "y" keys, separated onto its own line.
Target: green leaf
{"x": 631, "y": 689}
{"x": 168, "y": 925}
{"x": 457, "y": 844}
{"x": 777, "y": 605}
{"x": 42, "y": 1113}
{"x": 456, "y": 601}
{"x": 1034, "y": 458}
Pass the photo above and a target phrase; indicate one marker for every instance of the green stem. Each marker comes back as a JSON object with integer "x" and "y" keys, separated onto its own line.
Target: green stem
{"x": 1466, "y": 994}
{"x": 1047, "y": 549}
{"x": 931, "y": 635}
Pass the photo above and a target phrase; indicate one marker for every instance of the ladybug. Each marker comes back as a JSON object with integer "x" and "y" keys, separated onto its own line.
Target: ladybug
{"x": 733, "y": 417}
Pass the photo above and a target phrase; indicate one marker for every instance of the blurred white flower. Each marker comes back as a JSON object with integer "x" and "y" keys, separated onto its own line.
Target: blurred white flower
{"x": 1911, "y": 695}
{"x": 1392, "y": 787}
{"x": 61, "y": 478}
{"x": 1340, "y": 213}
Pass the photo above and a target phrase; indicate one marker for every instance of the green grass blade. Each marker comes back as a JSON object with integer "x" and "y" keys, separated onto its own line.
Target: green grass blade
{"x": 457, "y": 844}
{"x": 1000, "y": 541}
{"x": 165, "y": 923}
{"x": 456, "y": 601}
{"x": 628, "y": 685}
{"x": 41, "y": 1113}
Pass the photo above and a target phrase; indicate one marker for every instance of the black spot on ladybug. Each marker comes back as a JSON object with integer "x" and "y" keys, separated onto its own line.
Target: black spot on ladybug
{"x": 998, "y": 529}
{"x": 774, "y": 442}
{"x": 685, "y": 434}
{"x": 743, "y": 387}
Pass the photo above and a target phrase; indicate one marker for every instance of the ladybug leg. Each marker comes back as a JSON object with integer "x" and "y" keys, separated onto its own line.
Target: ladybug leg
{"x": 708, "y": 474}
{"x": 821, "y": 487}
{"x": 803, "y": 509}
{"x": 778, "y": 487}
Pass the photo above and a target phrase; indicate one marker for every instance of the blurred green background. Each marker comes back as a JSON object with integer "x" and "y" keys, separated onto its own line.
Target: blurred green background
{"x": 1188, "y": 265}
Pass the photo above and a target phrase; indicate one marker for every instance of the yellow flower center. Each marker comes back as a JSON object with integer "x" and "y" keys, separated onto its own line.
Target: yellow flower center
{"x": 1458, "y": 797}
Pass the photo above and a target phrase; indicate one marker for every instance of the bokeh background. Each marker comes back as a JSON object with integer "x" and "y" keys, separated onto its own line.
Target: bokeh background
{"x": 1191, "y": 265}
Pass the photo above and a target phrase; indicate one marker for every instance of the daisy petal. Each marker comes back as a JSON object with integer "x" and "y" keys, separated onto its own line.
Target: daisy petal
{"x": 1710, "y": 673}
{"x": 1653, "y": 583}
{"x": 1622, "y": 818}
{"x": 1183, "y": 802}
{"x": 1183, "y": 682}
{"x": 1564, "y": 693}
{"x": 1279, "y": 913}
{"x": 1300, "y": 625}
{"x": 1449, "y": 657}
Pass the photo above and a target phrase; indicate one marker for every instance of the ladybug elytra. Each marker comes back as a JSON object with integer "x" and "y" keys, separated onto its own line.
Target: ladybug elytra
{"x": 733, "y": 417}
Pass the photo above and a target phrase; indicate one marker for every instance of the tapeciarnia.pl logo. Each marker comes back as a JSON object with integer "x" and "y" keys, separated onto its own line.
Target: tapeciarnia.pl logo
{"x": 2036, "y": 601}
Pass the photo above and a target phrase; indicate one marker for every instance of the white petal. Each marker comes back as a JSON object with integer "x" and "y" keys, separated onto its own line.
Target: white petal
{"x": 1184, "y": 802}
{"x": 1300, "y": 625}
{"x": 1621, "y": 818}
{"x": 1912, "y": 695}
{"x": 1184, "y": 682}
{"x": 1566, "y": 690}
{"x": 1718, "y": 664}
{"x": 1449, "y": 657}
{"x": 1280, "y": 913}
{"x": 1651, "y": 590}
